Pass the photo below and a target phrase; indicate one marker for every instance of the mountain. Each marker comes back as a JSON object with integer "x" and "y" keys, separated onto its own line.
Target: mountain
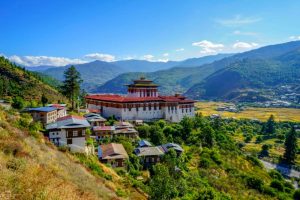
{"x": 39, "y": 68}
{"x": 15, "y": 81}
{"x": 96, "y": 73}
{"x": 188, "y": 79}
{"x": 144, "y": 66}
{"x": 93, "y": 73}
{"x": 257, "y": 77}
{"x": 174, "y": 80}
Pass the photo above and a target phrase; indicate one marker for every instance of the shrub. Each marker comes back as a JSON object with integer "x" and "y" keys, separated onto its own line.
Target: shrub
{"x": 297, "y": 194}
{"x": 277, "y": 185}
{"x": 269, "y": 191}
{"x": 275, "y": 174}
{"x": 254, "y": 161}
{"x": 254, "y": 183}
{"x": 204, "y": 163}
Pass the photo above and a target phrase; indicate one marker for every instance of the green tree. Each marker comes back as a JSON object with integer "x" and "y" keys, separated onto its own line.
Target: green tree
{"x": 290, "y": 146}
{"x": 270, "y": 125}
{"x": 71, "y": 85}
{"x": 44, "y": 99}
{"x": 18, "y": 103}
{"x": 156, "y": 135}
{"x": 187, "y": 125}
{"x": 162, "y": 185}
{"x": 207, "y": 136}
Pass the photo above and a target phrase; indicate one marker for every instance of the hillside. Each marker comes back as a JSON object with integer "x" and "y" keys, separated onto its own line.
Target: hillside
{"x": 251, "y": 79}
{"x": 32, "y": 168}
{"x": 92, "y": 74}
{"x": 188, "y": 79}
{"x": 96, "y": 73}
{"x": 15, "y": 81}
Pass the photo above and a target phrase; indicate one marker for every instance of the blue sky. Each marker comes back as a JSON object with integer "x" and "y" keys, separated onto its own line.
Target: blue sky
{"x": 57, "y": 32}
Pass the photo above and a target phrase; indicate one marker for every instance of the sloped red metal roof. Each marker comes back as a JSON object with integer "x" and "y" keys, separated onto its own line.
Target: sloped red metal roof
{"x": 126, "y": 99}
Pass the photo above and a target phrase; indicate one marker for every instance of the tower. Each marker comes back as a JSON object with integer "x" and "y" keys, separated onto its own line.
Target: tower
{"x": 142, "y": 88}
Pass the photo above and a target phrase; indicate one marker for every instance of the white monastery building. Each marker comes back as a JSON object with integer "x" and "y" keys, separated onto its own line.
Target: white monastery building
{"x": 142, "y": 102}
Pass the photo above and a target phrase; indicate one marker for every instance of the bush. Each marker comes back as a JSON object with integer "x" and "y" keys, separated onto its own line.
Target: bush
{"x": 254, "y": 161}
{"x": 269, "y": 191}
{"x": 204, "y": 163}
{"x": 18, "y": 103}
{"x": 276, "y": 175}
{"x": 254, "y": 183}
{"x": 277, "y": 185}
{"x": 297, "y": 194}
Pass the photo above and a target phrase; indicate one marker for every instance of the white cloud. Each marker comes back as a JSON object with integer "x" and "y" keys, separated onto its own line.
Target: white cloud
{"x": 44, "y": 60}
{"x": 165, "y": 54}
{"x": 294, "y": 37}
{"x": 148, "y": 57}
{"x": 180, "y": 49}
{"x": 244, "y": 45}
{"x": 162, "y": 60}
{"x": 238, "y": 21}
{"x": 208, "y": 47}
{"x": 100, "y": 56}
{"x": 237, "y": 32}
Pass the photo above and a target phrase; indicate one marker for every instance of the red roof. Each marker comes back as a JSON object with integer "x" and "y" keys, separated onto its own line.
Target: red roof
{"x": 125, "y": 99}
{"x": 69, "y": 117}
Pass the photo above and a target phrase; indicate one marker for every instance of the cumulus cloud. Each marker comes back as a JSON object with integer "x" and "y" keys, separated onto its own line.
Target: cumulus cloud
{"x": 100, "y": 56}
{"x": 162, "y": 60}
{"x": 238, "y": 21}
{"x": 295, "y": 37}
{"x": 180, "y": 49}
{"x": 208, "y": 47}
{"x": 165, "y": 54}
{"x": 244, "y": 45}
{"x": 44, "y": 60}
{"x": 148, "y": 57}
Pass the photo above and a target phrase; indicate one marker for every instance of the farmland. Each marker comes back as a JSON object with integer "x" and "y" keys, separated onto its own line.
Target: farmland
{"x": 281, "y": 114}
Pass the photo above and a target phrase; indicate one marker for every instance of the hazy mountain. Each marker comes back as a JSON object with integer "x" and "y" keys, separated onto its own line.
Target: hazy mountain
{"x": 259, "y": 62}
{"x": 96, "y": 73}
{"x": 257, "y": 76}
{"x": 93, "y": 73}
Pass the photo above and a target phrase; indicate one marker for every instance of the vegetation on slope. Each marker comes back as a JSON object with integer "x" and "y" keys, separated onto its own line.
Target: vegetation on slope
{"x": 32, "y": 168}
{"x": 212, "y": 166}
{"x": 17, "y": 82}
{"x": 248, "y": 74}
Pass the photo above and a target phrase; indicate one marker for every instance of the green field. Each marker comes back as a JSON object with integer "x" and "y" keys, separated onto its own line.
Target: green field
{"x": 281, "y": 114}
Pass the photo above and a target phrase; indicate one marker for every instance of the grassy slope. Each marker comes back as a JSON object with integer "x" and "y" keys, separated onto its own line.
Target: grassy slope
{"x": 17, "y": 82}
{"x": 33, "y": 169}
{"x": 281, "y": 114}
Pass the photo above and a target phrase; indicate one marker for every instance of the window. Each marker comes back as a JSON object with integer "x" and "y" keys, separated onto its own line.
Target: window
{"x": 69, "y": 141}
{"x": 83, "y": 132}
{"x": 75, "y": 133}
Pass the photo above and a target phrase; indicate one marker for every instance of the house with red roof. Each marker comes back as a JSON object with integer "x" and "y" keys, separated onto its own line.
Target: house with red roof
{"x": 142, "y": 102}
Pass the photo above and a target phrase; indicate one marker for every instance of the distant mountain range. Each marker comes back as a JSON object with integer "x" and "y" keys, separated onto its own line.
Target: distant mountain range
{"x": 96, "y": 73}
{"x": 242, "y": 77}
{"x": 255, "y": 75}
{"x": 249, "y": 76}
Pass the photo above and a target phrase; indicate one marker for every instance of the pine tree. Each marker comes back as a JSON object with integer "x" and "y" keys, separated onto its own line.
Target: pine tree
{"x": 290, "y": 146}
{"x": 44, "y": 100}
{"x": 71, "y": 85}
{"x": 270, "y": 125}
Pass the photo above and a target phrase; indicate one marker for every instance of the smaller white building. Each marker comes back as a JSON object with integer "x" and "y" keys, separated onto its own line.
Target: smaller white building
{"x": 70, "y": 131}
